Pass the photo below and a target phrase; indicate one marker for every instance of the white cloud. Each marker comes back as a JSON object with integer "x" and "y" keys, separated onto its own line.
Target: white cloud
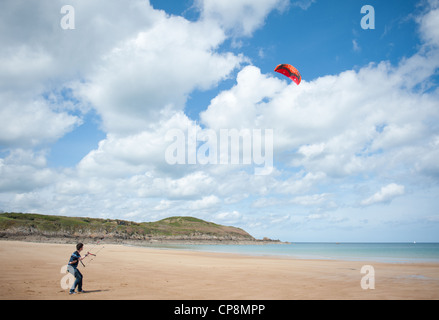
{"x": 206, "y": 202}
{"x": 38, "y": 57}
{"x": 24, "y": 67}
{"x": 240, "y": 106}
{"x": 38, "y": 48}
{"x": 303, "y": 4}
{"x": 23, "y": 171}
{"x": 429, "y": 25}
{"x": 163, "y": 205}
{"x": 300, "y": 182}
{"x": 27, "y": 122}
{"x": 192, "y": 185}
{"x": 312, "y": 150}
{"x": 228, "y": 217}
{"x": 241, "y": 17}
{"x": 355, "y": 46}
{"x": 427, "y": 162}
{"x": 385, "y": 195}
{"x": 334, "y": 121}
{"x": 311, "y": 200}
{"x": 150, "y": 76}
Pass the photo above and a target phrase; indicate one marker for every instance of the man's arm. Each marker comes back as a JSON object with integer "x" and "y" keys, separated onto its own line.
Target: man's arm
{"x": 82, "y": 258}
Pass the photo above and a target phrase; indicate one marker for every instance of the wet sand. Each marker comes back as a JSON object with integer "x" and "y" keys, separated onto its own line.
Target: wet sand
{"x": 33, "y": 271}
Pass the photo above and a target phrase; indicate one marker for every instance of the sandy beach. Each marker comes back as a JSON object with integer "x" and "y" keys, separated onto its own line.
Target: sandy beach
{"x": 33, "y": 271}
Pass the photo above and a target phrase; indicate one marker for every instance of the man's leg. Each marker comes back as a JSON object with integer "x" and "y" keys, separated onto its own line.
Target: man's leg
{"x": 79, "y": 280}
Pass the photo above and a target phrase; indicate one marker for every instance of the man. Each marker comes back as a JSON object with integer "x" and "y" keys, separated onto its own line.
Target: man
{"x": 73, "y": 268}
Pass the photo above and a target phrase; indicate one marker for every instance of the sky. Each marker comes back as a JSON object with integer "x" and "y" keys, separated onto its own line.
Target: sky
{"x": 121, "y": 110}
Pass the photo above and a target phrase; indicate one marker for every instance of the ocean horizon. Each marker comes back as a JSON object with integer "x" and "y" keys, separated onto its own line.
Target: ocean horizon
{"x": 398, "y": 252}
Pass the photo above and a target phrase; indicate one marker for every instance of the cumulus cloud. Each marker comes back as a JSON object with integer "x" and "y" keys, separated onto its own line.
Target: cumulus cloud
{"x": 23, "y": 171}
{"x": 385, "y": 195}
{"x": 38, "y": 57}
{"x": 121, "y": 156}
{"x": 228, "y": 217}
{"x": 204, "y": 203}
{"x": 35, "y": 47}
{"x": 28, "y": 122}
{"x": 345, "y": 124}
{"x": 149, "y": 76}
{"x": 240, "y": 106}
{"x": 240, "y": 17}
{"x": 429, "y": 25}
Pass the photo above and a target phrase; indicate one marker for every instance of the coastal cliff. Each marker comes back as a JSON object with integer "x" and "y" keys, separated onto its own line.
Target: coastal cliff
{"x": 186, "y": 230}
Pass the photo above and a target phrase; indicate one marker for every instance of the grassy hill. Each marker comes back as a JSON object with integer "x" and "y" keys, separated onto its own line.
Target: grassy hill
{"x": 19, "y": 225}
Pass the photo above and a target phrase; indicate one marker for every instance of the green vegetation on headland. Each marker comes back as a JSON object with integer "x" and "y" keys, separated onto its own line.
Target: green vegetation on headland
{"x": 29, "y": 226}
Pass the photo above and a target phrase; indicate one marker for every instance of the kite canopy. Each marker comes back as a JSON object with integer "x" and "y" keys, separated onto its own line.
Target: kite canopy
{"x": 289, "y": 71}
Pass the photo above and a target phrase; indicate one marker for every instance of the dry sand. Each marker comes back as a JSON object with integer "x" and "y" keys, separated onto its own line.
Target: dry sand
{"x": 33, "y": 271}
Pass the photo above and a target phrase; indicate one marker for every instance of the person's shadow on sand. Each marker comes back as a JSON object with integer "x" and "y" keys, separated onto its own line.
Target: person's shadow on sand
{"x": 93, "y": 291}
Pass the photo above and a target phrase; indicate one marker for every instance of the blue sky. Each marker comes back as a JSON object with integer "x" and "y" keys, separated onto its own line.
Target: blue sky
{"x": 86, "y": 113}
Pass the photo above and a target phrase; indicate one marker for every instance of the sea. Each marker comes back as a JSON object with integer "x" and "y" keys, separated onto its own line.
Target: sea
{"x": 378, "y": 252}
